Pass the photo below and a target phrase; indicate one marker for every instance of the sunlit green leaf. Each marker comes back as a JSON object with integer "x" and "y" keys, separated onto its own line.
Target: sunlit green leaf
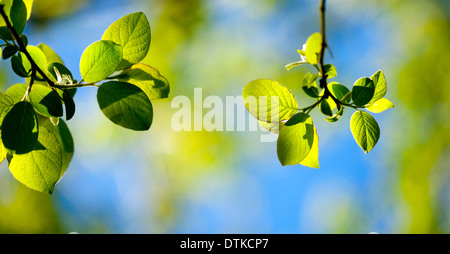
{"x": 365, "y": 130}
{"x": 125, "y": 105}
{"x": 132, "y": 32}
{"x": 380, "y": 105}
{"x": 49, "y": 53}
{"x": 363, "y": 91}
{"x": 100, "y": 60}
{"x": 16, "y": 92}
{"x": 312, "y": 159}
{"x": 45, "y": 101}
{"x": 39, "y": 169}
{"x": 379, "y": 82}
{"x": 309, "y": 85}
{"x": 313, "y": 48}
{"x": 17, "y": 67}
{"x": 269, "y": 101}
{"x": 20, "y": 129}
{"x": 38, "y": 57}
{"x": 295, "y": 140}
{"x": 292, "y": 65}
{"x": 272, "y": 127}
{"x": 65, "y": 139}
{"x": 148, "y": 79}
{"x": 330, "y": 70}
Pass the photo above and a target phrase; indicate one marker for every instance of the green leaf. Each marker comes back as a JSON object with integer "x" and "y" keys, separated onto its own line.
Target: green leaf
{"x": 259, "y": 102}
{"x": 9, "y": 51}
{"x": 292, "y": 65}
{"x": 362, "y": 91}
{"x": 330, "y": 70}
{"x": 65, "y": 139}
{"x": 100, "y": 60}
{"x": 336, "y": 117}
{"x": 312, "y": 159}
{"x": 6, "y": 103}
{"x": 325, "y": 108}
{"x": 45, "y": 101}
{"x": 39, "y": 169}
{"x": 69, "y": 105}
{"x": 309, "y": 85}
{"x": 38, "y": 57}
{"x": 17, "y": 12}
{"x": 339, "y": 91}
{"x": 148, "y": 79}
{"x": 132, "y": 32}
{"x": 272, "y": 127}
{"x": 63, "y": 72}
{"x": 20, "y": 129}
{"x": 125, "y": 105}
{"x": 16, "y": 92}
{"x": 365, "y": 130}
{"x": 380, "y": 86}
{"x": 49, "y": 53}
{"x": 17, "y": 67}
{"x": 295, "y": 140}
{"x": 380, "y": 105}
{"x": 313, "y": 47}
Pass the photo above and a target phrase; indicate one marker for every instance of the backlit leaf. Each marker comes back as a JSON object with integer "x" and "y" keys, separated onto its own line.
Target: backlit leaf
{"x": 269, "y": 101}
{"x": 365, "y": 130}
{"x": 295, "y": 139}
{"x": 363, "y": 91}
{"x": 125, "y": 105}
{"x": 100, "y": 60}
{"x": 380, "y": 105}
{"x": 39, "y": 169}
{"x": 132, "y": 32}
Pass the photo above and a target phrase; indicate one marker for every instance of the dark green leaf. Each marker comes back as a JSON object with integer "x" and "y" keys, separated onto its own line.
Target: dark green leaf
{"x": 45, "y": 101}
{"x": 69, "y": 104}
{"x": 325, "y": 108}
{"x": 125, "y": 105}
{"x": 339, "y": 91}
{"x": 20, "y": 129}
{"x": 65, "y": 76}
{"x": 17, "y": 67}
{"x": 363, "y": 91}
{"x": 9, "y": 51}
{"x": 17, "y": 11}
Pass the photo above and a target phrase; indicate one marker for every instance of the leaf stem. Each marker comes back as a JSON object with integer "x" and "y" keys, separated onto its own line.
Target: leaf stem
{"x": 22, "y": 47}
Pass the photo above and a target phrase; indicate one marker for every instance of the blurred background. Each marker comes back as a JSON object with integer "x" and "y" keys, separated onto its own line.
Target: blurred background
{"x": 162, "y": 181}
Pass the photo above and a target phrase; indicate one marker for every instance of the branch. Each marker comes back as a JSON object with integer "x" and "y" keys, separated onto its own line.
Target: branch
{"x": 323, "y": 80}
{"x": 22, "y": 47}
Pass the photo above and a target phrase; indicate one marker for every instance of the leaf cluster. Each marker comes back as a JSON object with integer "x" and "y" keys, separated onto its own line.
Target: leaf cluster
{"x": 34, "y": 138}
{"x": 298, "y": 141}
